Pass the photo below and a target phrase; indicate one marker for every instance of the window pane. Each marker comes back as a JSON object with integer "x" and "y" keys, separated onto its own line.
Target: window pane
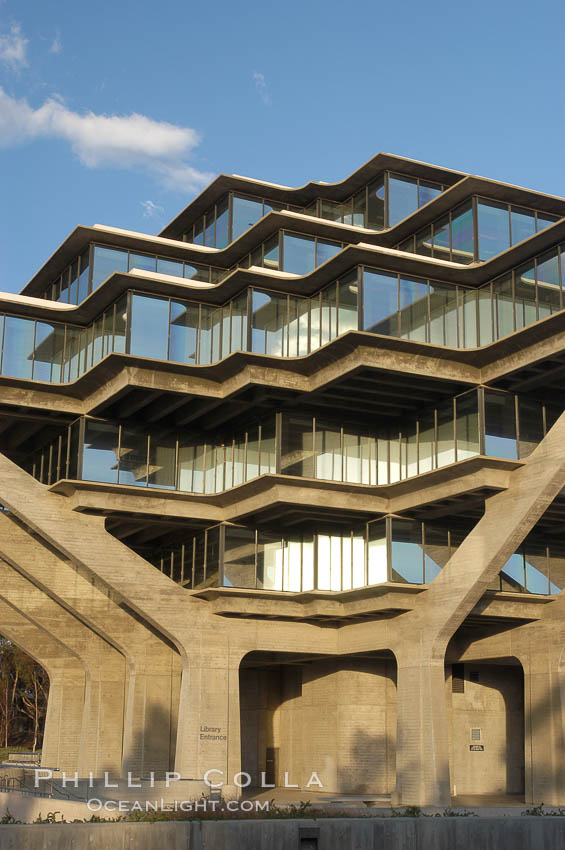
{"x": 376, "y": 206}
{"x": 424, "y": 242}
{"x": 133, "y": 458}
{"x": 525, "y": 296}
{"x": 445, "y": 435}
{"x": 83, "y": 277}
{"x": 210, "y": 232}
{"x": 500, "y": 425}
{"x": 522, "y": 223}
{"x": 246, "y": 211}
{"x": 269, "y": 561}
{"x": 467, "y": 425}
{"x": 195, "y": 272}
{"x": 183, "y": 332}
{"x": 512, "y": 574}
{"x": 380, "y": 302}
{"x": 426, "y": 444}
{"x": 73, "y": 285}
{"x": 359, "y": 209}
{"x": 17, "y": 354}
{"x": 503, "y": 304}
{"x": 537, "y": 568}
{"x": 377, "y": 552}
{"x": 171, "y": 267}
{"x": 297, "y": 454}
{"x": 162, "y": 462}
{"x": 331, "y": 211}
{"x": 271, "y": 252}
{"x": 213, "y": 557}
{"x": 413, "y": 308}
{"x": 443, "y": 315}
{"x": 299, "y": 255}
{"x": 348, "y": 293}
{"x": 239, "y": 557}
{"x": 530, "y": 418}
{"x": 48, "y": 353}
{"x": 324, "y": 251}
{"x": 494, "y": 232}
{"x": 222, "y": 221}
{"x": 402, "y": 198}
{"x": 239, "y": 323}
{"x": 462, "y": 244}
{"x": 149, "y": 327}
{"x": 328, "y": 452}
{"x": 407, "y": 551}
{"x": 545, "y": 219}
{"x": 107, "y": 261}
{"x": 436, "y": 552}
{"x": 145, "y": 262}
{"x": 428, "y": 191}
{"x": 441, "y": 239}
{"x": 100, "y": 454}
{"x": 548, "y": 287}
{"x": 269, "y": 323}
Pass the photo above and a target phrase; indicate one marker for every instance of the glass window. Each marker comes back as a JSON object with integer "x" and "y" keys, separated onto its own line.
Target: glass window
{"x": 17, "y": 353}
{"x": 441, "y": 250}
{"x": 213, "y": 557}
{"x": 210, "y": 232}
{"x": 426, "y": 443}
{"x": 548, "y": 286}
{"x": 348, "y": 294}
{"x": 183, "y": 332}
{"x": 512, "y": 574}
{"x": 445, "y": 435}
{"x": 271, "y": 252}
{"x": 106, "y": 262}
{"x": 331, "y": 211}
{"x": 145, "y": 262}
{"x": 530, "y": 419}
{"x": 545, "y": 219}
{"x": 413, "y": 308}
{"x": 462, "y": 242}
{"x": 500, "y": 425}
{"x": 246, "y": 211}
{"x": 485, "y": 307}
{"x": 199, "y": 232}
{"x": 269, "y": 561}
{"x": 358, "y": 209}
{"x": 428, "y": 191}
{"x": 162, "y": 462}
{"x": 443, "y": 314}
{"x": 494, "y": 229}
{"x": 133, "y": 458}
{"x": 324, "y": 251}
{"x": 269, "y": 323}
{"x": 73, "y": 284}
{"x": 194, "y": 272}
{"x": 149, "y": 327}
{"x": 172, "y": 267}
{"x": 222, "y": 223}
{"x": 503, "y": 305}
{"x": 522, "y": 223}
{"x": 328, "y": 452}
{"x": 199, "y": 559}
{"x": 402, "y": 198}
{"x": 299, "y": 254}
{"x": 48, "y": 352}
{"x": 83, "y": 276}
{"x": 380, "y": 302}
{"x": 376, "y": 204}
{"x": 377, "y": 552}
{"x": 537, "y": 568}
{"x": 239, "y": 557}
{"x": 407, "y": 551}
{"x": 239, "y": 323}
{"x": 467, "y": 425}
{"x": 100, "y": 453}
{"x": 297, "y": 452}
{"x": 120, "y": 325}
{"x": 424, "y": 242}
{"x": 525, "y": 296}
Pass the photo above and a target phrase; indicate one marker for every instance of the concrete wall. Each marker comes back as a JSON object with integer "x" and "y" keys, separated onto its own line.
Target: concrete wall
{"x": 495, "y": 705}
{"x": 530, "y": 833}
{"x": 336, "y": 717}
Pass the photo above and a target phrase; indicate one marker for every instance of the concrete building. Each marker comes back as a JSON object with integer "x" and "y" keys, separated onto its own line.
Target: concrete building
{"x": 283, "y": 488}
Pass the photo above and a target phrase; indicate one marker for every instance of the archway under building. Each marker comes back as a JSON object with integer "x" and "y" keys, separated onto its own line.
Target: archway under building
{"x": 487, "y": 741}
{"x": 320, "y": 723}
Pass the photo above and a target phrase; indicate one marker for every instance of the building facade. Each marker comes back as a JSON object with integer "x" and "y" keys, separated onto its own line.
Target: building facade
{"x": 282, "y": 488}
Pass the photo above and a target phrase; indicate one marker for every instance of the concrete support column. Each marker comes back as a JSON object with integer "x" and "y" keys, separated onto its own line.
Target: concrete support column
{"x": 422, "y": 746}
{"x": 545, "y": 747}
{"x": 67, "y": 681}
{"x": 208, "y": 737}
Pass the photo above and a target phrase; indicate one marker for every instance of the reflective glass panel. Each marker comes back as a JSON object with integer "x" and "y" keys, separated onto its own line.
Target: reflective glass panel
{"x": 402, "y": 198}
{"x": 246, "y": 211}
{"x": 269, "y": 323}
{"x": 269, "y": 561}
{"x": 407, "y": 551}
{"x": 376, "y": 205}
{"x": 494, "y": 229}
{"x": 297, "y": 453}
{"x": 413, "y": 308}
{"x": 222, "y": 222}
{"x": 107, "y": 261}
{"x": 503, "y": 305}
{"x": 380, "y": 302}
{"x": 377, "y": 552}
{"x": 162, "y": 462}
{"x": 445, "y": 435}
{"x": 537, "y": 568}
{"x": 424, "y": 242}
{"x": 359, "y": 209}
{"x": 467, "y": 425}
{"x": 512, "y": 574}
{"x": 133, "y": 457}
{"x": 443, "y": 315}
{"x": 548, "y": 287}
{"x": 441, "y": 238}
{"x": 183, "y": 332}
{"x": 17, "y": 353}
{"x": 299, "y": 254}
{"x": 172, "y": 267}
{"x": 324, "y": 251}
{"x": 436, "y": 551}
{"x": 83, "y": 276}
{"x": 428, "y": 191}
{"x": 100, "y": 454}
{"x": 149, "y": 327}
{"x": 530, "y": 419}
{"x": 145, "y": 262}
{"x": 48, "y": 352}
{"x": 348, "y": 294}
{"x": 500, "y": 425}
{"x": 462, "y": 243}
{"x": 522, "y": 223}
{"x": 525, "y": 296}
{"x": 239, "y": 557}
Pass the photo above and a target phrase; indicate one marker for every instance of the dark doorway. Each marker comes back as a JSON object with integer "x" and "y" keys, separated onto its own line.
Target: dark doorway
{"x": 272, "y": 765}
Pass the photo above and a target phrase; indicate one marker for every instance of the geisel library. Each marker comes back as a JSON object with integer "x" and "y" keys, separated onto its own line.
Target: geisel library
{"x": 283, "y": 488}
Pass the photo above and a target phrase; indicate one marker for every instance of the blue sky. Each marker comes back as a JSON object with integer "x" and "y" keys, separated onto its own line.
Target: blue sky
{"x": 120, "y": 112}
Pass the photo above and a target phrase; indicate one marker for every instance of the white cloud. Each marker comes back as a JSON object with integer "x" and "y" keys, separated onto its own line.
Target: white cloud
{"x": 13, "y": 48}
{"x": 151, "y": 210}
{"x": 262, "y": 87}
{"x": 56, "y": 44}
{"x": 118, "y": 141}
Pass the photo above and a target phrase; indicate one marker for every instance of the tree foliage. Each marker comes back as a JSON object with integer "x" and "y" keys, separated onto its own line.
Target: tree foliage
{"x": 24, "y": 688}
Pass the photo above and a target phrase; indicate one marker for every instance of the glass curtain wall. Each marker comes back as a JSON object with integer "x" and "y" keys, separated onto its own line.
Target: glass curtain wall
{"x": 392, "y": 549}
{"x": 477, "y": 229}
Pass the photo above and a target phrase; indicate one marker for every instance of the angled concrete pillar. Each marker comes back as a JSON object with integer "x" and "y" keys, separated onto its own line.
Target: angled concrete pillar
{"x": 67, "y": 683}
{"x": 422, "y": 755}
{"x": 153, "y": 662}
{"x": 103, "y": 715}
